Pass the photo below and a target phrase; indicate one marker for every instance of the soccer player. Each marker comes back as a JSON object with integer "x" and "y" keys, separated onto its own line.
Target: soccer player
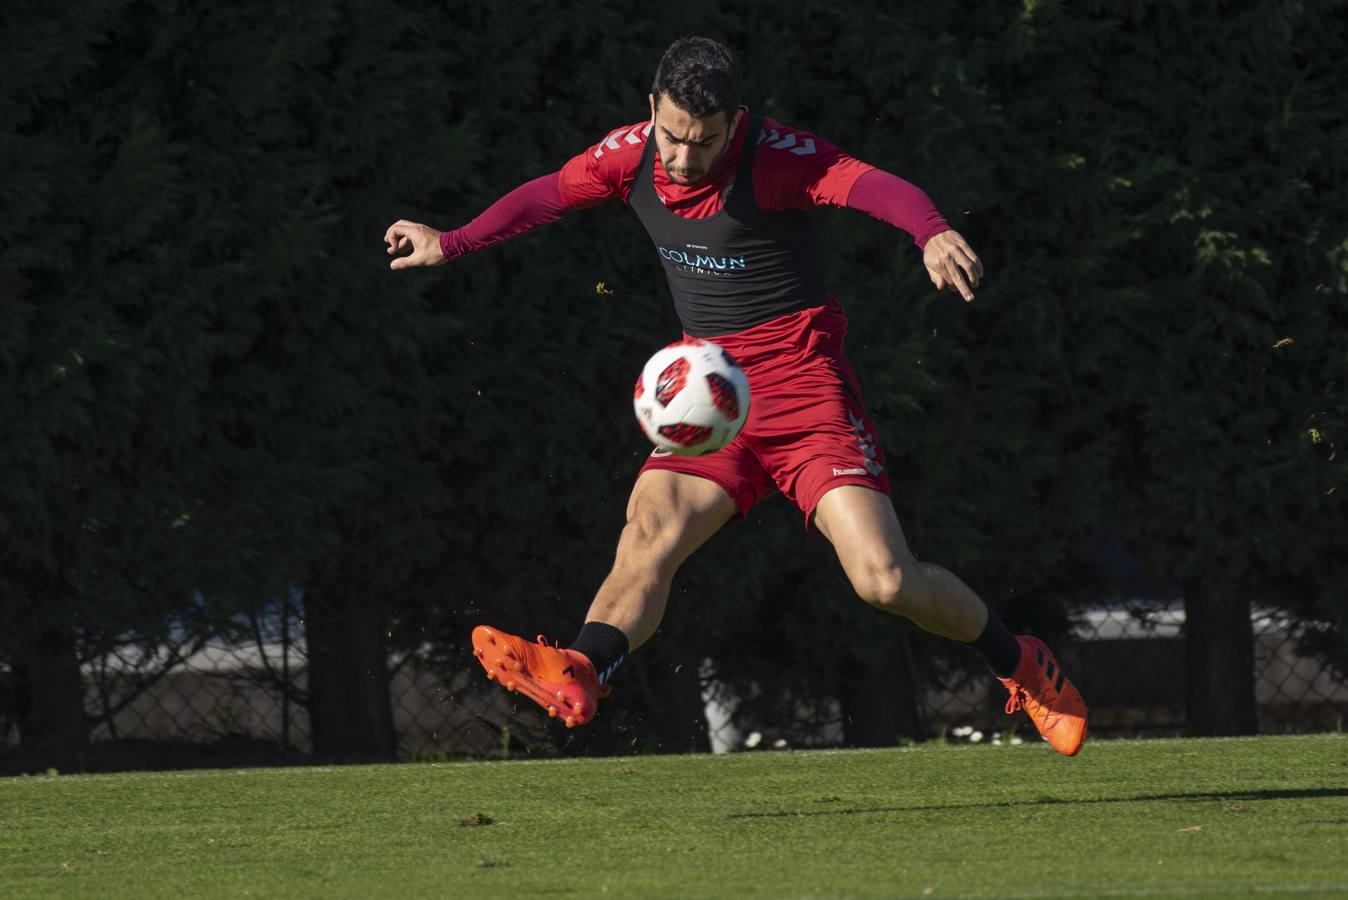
{"x": 726, "y": 196}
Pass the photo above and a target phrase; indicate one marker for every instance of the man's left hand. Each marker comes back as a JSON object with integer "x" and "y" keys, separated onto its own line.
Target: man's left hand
{"x": 952, "y": 263}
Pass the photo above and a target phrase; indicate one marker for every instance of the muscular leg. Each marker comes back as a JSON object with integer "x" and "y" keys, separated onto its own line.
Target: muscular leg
{"x": 865, "y": 531}
{"x": 863, "y": 528}
{"x": 669, "y": 515}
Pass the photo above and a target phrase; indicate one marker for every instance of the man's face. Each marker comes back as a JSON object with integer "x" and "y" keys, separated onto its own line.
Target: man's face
{"x": 689, "y": 147}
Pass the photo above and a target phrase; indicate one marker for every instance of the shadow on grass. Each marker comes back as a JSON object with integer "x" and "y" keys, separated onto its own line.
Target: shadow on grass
{"x": 1279, "y": 794}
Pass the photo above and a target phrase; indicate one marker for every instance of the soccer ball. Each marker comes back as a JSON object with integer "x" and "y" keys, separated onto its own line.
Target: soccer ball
{"x": 691, "y": 398}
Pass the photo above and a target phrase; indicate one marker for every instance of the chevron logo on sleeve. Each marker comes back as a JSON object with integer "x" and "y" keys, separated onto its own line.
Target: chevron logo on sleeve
{"x": 777, "y": 141}
{"x": 629, "y": 134}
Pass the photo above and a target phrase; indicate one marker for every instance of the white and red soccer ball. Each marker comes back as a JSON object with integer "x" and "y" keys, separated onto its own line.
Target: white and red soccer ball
{"x": 691, "y": 398}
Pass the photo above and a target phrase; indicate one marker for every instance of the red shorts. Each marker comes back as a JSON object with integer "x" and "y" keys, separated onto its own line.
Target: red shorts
{"x": 807, "y": 431}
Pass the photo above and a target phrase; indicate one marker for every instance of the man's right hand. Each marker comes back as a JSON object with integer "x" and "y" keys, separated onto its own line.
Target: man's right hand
{"x": 422, "y": 240}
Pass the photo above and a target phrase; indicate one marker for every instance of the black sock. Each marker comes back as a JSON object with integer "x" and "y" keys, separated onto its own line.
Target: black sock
{"x": 604, "y": 645}
{"x": 998, "y": 646}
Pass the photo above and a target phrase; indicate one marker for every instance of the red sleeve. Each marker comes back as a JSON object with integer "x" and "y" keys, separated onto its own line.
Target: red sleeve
{"x": 794, "y": 169}
{"x": 900, "y": 203}
{"x": 528, "y": 206}
{"x": 605, "y": 170}
{"x": 602, "y": 172}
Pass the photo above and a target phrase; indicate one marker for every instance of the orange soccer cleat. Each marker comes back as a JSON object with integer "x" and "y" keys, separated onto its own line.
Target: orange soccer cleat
{"x": 1041, "y": 688}
{"x": 563, "y": 682}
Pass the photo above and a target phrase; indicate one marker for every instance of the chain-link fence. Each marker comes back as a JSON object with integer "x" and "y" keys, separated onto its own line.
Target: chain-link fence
{"x": 1130, "y": 667}
{"x": 243, "y": 694}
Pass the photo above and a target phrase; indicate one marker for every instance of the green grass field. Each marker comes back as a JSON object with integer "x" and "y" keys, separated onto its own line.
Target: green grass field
{"x": 1156, "y": 818}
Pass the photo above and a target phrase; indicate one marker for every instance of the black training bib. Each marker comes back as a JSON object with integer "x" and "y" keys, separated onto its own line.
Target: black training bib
{"x": 737, "y": 268}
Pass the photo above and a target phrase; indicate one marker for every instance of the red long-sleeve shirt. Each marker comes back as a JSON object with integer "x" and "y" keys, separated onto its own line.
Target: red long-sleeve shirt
{"x": 793, "y": 169}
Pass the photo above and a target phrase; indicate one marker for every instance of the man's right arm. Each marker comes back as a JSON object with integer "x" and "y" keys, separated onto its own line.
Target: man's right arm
{"x": 588, "y": 179}
{"x": 528, "y": 206}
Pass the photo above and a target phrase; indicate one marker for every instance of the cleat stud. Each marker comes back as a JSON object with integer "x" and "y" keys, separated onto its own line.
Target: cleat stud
{"x": 570, "y": 721}
{"x": 561, "y": 697}
{"x": 510, "y": 686}
{"x": 552, "y": 712}
{"x": 491, "y": 673}
{"x": 479, "y": 653}
{"x": 578, "y": 708}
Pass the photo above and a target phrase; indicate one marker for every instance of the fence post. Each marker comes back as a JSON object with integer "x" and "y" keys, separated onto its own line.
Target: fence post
{"x": 1219, "y": 660}
{"x": 285, "y": 671}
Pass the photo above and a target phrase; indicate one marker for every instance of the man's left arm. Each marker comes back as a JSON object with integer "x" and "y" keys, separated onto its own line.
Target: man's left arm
{"x": 949, "y": 259}
{"x": 804, "y": 170}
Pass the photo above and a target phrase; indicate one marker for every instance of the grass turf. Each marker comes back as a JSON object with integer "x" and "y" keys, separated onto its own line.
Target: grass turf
{"x": 1155, "y": 818}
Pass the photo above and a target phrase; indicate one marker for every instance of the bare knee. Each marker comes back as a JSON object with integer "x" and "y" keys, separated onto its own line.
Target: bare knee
{"x": 669, "y": 515}
{"x": 891, "y": 587}
{"x": 642, "y": 530}
{"x": 648, "y": 539}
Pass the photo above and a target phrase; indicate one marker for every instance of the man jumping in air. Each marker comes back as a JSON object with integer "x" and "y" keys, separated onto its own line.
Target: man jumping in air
{"x": 707, "y": 178}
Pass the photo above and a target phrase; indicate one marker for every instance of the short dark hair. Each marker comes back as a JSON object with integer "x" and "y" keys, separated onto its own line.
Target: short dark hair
{"x": 699, "y": 76}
